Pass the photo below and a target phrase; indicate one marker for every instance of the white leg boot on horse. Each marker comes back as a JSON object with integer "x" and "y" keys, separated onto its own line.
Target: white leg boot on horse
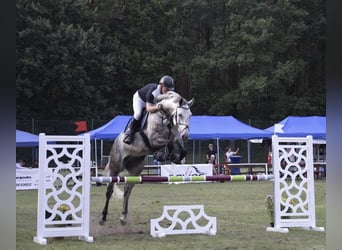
{"x": 117, "y": 192}
{"x": 132, "y": 126}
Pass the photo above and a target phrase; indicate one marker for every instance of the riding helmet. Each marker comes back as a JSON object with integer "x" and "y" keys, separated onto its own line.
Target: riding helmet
{"x": 167, "y": 81}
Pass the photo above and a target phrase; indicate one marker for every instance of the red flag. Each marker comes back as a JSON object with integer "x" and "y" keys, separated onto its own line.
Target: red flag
{"x": 81, "y": 126}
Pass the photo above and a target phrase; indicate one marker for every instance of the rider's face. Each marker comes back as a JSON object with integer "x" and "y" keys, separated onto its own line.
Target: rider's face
{"x": 164, "y": 89}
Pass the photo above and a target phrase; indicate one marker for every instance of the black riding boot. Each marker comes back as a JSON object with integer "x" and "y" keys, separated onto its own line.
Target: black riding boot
{"x": 132, "y": 126}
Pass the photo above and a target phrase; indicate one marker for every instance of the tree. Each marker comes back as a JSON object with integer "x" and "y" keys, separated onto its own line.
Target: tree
{"x": 253, "y": 59}
{"x": 61, "y": 68}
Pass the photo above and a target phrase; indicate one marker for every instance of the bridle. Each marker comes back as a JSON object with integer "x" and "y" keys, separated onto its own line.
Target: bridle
{"x": 175, "y": 120}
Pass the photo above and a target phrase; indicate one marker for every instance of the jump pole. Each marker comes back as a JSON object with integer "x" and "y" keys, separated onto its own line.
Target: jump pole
{"x": 202, "y": 178}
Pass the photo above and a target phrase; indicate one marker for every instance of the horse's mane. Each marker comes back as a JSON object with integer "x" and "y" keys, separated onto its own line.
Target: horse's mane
{"x": 168, "y": 95}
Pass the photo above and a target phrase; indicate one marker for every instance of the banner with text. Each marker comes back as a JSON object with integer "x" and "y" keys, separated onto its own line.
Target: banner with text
{"x": 186, "y": 170}
{"x": 27, "y": 178}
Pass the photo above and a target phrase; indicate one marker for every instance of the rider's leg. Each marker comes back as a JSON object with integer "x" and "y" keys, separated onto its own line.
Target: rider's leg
{"x": 132, "y": 126}
{"x": 138, "y": 105}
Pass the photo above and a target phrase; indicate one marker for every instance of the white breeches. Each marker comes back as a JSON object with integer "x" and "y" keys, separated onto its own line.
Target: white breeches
{"x": 138, "y": 105}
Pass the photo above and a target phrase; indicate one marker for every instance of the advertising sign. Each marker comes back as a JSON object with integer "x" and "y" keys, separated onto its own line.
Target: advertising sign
{"x": 186, "y": 170}
{"x": 27, "y": 178}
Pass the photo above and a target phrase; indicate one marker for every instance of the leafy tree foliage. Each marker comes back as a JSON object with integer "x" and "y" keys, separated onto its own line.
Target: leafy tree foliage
{"x": 251, "y": 59}
{"x": 61, "y": 65}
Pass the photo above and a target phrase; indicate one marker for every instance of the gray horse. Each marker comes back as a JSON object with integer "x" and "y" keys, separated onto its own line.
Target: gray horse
{"x": 168, "y": 127}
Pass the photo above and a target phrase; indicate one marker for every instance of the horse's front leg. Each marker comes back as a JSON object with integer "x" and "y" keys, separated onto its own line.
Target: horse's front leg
{"x": 127, "y": 192}
{"x": 105, "y": 209}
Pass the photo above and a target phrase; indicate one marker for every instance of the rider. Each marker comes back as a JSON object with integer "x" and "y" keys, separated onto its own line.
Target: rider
{"x": 144, "y": 98}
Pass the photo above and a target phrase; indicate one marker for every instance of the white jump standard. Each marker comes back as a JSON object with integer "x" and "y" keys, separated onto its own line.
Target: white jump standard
{"x": 63, "y": 159}
{"x": 67, "y": 158}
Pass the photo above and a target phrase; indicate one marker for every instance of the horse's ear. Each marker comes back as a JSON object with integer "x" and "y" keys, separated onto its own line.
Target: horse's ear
{"x": 191, "y": 102}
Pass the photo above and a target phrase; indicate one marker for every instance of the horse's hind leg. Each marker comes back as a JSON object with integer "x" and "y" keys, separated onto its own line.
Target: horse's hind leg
{"x": 105, "y": 209}
{"x": 124, "y": 211}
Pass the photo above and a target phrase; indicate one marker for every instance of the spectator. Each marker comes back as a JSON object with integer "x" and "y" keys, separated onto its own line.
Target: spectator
{"x": 35, "y": 164}
{"x": 212, "y": 160}
{"x": 20, "y": 164}
{"x": 229, "y": 153}
{"x": 211, "y": 151}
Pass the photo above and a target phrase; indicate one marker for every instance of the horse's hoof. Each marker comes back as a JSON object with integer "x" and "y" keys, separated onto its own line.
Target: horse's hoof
{"x": 102, "y": 222}
{"x": 123, "y": 220}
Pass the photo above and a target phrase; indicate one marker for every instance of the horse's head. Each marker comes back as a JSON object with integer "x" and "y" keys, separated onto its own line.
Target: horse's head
{"x": 178, "y": 110}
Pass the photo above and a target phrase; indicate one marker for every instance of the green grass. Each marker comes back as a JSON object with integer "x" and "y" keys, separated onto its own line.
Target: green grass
{"x": 238, "y": 206}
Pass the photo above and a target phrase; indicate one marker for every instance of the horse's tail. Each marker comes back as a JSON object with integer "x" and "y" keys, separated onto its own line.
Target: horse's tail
{"x": 118, "y": 193}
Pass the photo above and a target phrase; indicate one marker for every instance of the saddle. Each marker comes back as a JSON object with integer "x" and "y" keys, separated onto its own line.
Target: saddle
{"x": 142, "y": 121}
{"x": 140, "y": 128}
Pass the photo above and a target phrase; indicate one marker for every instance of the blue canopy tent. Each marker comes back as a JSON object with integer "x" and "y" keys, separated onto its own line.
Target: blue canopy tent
{"x": 300, "y": 126}
{"x": 224, "y": 127}
{"x": 25, "y": 139}
{"x": 201, "y": 128}
{"x": 110, "y": 130}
